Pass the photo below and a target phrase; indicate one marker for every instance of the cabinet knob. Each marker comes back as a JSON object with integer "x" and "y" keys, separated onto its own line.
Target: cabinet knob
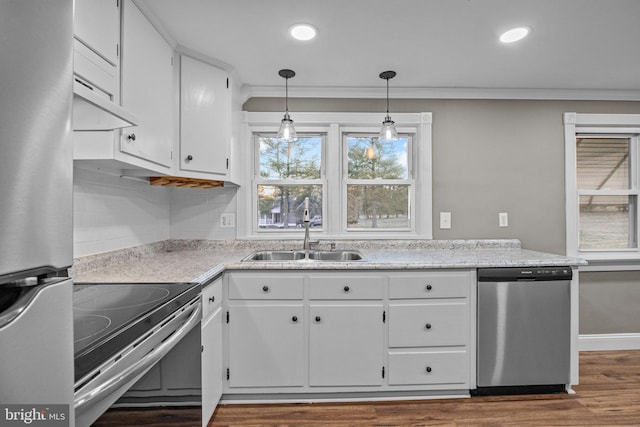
{"x": 265, "y": 288}
{"x": 317, "y": 318}
{"x": 294, "y": 319}
{"x": 428, "y": 326}
{"x": 131, "y": 137}
{"x": 346, "y": 288}
{"x": 429, "y": 287}
{"x": 189, "y": 158}
{"x": 212, "y": 299}
{"x": 428, "y": 369}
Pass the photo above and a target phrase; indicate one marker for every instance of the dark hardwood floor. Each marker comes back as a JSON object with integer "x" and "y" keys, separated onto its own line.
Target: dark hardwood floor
{"x": 608, "y": 395}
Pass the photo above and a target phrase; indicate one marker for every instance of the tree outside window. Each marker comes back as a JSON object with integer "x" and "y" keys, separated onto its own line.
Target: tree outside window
{"x": 289, "y": 172}
{"x": 378, "y": 184}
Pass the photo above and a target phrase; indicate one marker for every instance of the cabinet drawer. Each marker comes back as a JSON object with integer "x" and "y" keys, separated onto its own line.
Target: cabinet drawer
{"x": 211, "y": 297}
{"x": 267, "y": 286}
{"x": 446, "y": 284}
{"x": 429, "y": 324}
{"x": 445, "y": 367}
{"x": 332, "y": 287}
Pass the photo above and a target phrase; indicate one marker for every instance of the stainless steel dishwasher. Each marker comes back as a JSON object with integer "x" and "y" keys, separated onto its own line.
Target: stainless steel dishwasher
{"x": 523, "y": 329}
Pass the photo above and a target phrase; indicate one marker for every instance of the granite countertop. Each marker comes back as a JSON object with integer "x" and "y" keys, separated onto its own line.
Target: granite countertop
{"x": 196, "y": 260}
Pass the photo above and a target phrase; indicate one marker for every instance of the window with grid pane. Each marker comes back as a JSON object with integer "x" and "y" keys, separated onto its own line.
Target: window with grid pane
{"x": 607, "y": 192}
{"x": 288, "y": 173}
{"x": 378, "y": 186}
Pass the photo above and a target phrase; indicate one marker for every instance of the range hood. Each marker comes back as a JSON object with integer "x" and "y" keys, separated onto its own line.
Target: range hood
{"x": 93, "y": 112}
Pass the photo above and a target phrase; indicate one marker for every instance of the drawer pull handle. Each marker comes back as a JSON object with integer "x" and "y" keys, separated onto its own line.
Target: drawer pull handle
{"x": 318, "y": 319}
{"x": 428, "y": 369}
{"x": 346, "y": 288}
{"x": 429, "y": 288}
{"x": 294, "y": 319}
{"x": 212, "y": 299}
{"x": 428, "y": 326}
{"x": 265, "y": 288}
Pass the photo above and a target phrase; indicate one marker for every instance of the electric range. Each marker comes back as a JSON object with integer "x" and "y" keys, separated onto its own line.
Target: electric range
{"x": 108, "y": 317}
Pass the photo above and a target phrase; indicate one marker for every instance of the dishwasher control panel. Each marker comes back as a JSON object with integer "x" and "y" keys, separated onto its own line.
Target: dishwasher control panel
{"x": 501, "y": 274}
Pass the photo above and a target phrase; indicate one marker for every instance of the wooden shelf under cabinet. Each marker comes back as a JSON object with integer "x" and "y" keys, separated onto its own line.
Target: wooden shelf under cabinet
{"x": 176, "y": 181}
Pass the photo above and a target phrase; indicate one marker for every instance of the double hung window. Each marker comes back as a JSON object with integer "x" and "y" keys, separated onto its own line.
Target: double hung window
{"x": 355, "y": 184}
{"x": 602, "y": 182}
{"x": 378, "y": 186}
{"x": 289, "y": 173}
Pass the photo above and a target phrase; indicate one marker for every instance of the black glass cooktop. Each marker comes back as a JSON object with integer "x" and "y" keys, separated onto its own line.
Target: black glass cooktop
{"x": 107, "y": 317}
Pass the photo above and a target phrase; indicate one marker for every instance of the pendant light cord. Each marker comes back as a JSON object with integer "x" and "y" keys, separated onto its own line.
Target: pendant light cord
{"x": 286, "y": 95}
{"x": 387, "y": 97}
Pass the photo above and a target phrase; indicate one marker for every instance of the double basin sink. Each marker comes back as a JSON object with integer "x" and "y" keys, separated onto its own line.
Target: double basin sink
{"x": 305, "y": 255}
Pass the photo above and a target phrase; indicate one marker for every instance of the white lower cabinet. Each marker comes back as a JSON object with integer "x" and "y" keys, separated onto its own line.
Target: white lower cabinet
{"x": 266, "y": 345}
{"x": 428, "y": 324}
{"x": 329, "y": 332}
{"x": 211, "y": 349}
{"x": 211, "y": 360}
{"x": 431, "y": 330}
{"x": 428, "y": 367}
{"x": 345, "y": 345}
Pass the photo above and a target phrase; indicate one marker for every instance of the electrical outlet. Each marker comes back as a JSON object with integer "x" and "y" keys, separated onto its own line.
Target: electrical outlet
{"x": 227, "y": 220}
{"x": 503, "y": 219}
{"x": 445, "y": 220}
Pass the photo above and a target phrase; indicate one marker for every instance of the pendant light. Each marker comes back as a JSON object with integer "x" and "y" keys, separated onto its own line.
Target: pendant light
{"x": 388, "y": 131}
{"x": 287, "y": 132}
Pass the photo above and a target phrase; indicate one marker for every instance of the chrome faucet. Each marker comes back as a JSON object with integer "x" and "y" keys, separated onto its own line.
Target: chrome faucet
{"x": 307, "y": 221}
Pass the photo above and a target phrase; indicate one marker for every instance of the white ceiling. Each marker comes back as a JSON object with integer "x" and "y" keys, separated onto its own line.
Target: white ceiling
{"x": 577, "y": 48}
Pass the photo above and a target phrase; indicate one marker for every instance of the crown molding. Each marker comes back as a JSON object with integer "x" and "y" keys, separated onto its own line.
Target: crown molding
{"x": 444, "y": 93}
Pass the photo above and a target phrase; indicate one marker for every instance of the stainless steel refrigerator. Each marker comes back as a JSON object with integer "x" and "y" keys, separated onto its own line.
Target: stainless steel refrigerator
{"x": 36, "y": 167}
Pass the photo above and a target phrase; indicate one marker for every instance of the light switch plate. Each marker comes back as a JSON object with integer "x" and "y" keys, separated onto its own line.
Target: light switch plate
{"x": 445, "y": 220}
{"x": 503, "y": 219}
{"x": 227, "y": 220}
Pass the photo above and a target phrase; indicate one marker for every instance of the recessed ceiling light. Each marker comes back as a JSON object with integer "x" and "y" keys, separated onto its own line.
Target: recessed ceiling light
{"x": 514, "y": 34}
{"x": 303, "y": 32}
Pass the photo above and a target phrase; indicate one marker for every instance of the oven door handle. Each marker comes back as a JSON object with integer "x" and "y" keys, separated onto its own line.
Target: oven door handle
{"x": 150, "y": 359}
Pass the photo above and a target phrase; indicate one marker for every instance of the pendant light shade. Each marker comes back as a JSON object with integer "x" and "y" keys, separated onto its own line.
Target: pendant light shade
{"x": 287, "y": 132}
{"x": 388, "y": 131}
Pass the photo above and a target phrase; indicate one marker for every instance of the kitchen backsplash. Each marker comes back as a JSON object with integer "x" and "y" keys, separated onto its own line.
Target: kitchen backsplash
{"x": 112, "y": 212}
{"x": 195, "y": 213}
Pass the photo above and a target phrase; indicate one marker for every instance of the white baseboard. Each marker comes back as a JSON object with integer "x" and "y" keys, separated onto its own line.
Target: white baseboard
{"x": 598, "y": 342}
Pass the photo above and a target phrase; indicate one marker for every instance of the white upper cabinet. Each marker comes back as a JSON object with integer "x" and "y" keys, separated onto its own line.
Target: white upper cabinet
{"x": 205, "y": 119}
{"x": 97, "y": 25}
{"x": 147, "y": 89}
{"x": 96, "y": 47}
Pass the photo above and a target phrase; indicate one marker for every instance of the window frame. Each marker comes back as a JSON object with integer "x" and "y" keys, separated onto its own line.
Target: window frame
{"x": 258, "y": 180}
{"x": 346, "y": 181}
{"x": 333, "y": 172}
{"x": 599, "y": 125}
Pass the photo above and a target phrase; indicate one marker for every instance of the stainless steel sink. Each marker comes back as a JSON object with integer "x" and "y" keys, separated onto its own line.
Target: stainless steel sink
{"x": 341, "y": 255}
{"x": 311, "y": 255}
{"x": 275, "y": 256}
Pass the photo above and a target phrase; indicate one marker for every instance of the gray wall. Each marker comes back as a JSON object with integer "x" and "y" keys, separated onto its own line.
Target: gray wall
{"x": 492, "y": 156}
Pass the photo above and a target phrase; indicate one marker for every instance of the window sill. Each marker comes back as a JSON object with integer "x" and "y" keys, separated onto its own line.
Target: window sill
{"x": 611, "y": 261}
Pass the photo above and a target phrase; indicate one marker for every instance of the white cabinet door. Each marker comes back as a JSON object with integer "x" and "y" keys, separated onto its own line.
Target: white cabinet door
{"x": 211, "y": 359}
{"x": 147, "y": 88}
{"x": 345, "y": 345}
{"x": 205, "y": 118}
{"x": 97, "y": 25}
{"x": 266, "y": 345}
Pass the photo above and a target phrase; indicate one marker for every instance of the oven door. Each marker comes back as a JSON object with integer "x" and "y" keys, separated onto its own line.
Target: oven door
{"x": 100, "y": 388}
